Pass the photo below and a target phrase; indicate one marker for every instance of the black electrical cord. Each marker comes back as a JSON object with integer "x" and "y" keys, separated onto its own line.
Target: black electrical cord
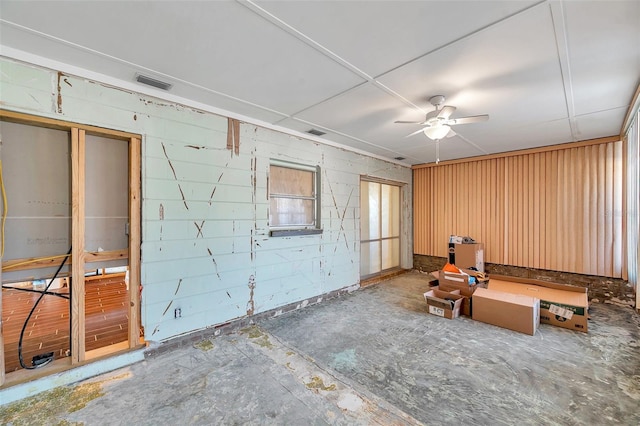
{"x": 24, "y": 326}
{"x": 49, "y": 293}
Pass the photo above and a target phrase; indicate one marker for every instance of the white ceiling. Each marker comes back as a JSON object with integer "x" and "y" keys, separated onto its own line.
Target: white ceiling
{"x": 546, "y": 72}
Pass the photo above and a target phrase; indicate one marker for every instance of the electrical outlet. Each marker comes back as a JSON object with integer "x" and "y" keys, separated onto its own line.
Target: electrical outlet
{"x": 177, "y": 313}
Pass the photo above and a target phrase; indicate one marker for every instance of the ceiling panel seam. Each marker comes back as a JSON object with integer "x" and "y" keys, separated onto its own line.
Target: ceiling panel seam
{"x": 317, "y": 126}
{"x": 323, "y": 50}
{"x": 559, "y": 27}
{"x": 462, "y": 38}
{"x": 322, "y": 101}
{"x": 270, "y": 17}
{"x": 138, "y": 67}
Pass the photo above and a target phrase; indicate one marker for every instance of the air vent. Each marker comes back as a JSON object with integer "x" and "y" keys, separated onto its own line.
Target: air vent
{"x": 153, "y": 82}
{"x": 399, "y": 158}
{"x": 316, "y": 132}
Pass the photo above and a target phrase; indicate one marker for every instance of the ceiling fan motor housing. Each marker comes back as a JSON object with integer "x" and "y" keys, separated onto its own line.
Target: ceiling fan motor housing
{"x": 436, "y": 100}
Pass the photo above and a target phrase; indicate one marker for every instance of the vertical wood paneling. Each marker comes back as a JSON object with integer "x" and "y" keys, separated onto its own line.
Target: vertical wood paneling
{"x": 618, "y": 208}
{"x": 631, "y": 206}
{"x": 556, "y": 209}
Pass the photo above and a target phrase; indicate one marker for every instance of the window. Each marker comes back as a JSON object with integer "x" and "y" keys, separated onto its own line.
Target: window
{"x": 294, "y": 201}
{"x": 379, "y": 227}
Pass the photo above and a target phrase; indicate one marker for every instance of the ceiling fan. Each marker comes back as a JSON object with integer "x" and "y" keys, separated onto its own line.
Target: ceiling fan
{"x": 437, "y": 122}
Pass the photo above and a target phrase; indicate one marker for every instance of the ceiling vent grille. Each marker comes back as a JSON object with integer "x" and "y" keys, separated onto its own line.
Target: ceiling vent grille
{"x": 149, "y": 81}
{"x": 316, "y": 132}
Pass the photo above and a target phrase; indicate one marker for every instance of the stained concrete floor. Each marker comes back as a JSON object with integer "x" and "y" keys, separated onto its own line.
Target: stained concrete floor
{"x": 371, "y": 357}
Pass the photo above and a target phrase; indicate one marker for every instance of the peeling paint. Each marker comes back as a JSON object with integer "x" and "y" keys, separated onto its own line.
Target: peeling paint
{"x": 251, "y": 304}
{"x": 183, "y": 198}
{"x": 175, "y": 176}
{"x": 167, "y": 308}
{"x": 199, "y": 227}
{"x": 216, "y": 266}
{"x": 212, "y": 192}
{"x": 59, "y": 94}
{"x": 233, "y": 136}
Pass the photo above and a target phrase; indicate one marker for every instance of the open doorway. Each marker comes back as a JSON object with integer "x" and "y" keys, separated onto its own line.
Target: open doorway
{"x": 379, "y": 227}
{"x": 70, "y": 244}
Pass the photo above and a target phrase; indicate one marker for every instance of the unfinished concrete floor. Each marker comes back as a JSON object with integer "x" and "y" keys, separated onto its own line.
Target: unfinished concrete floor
{"x": 371, "y": 357}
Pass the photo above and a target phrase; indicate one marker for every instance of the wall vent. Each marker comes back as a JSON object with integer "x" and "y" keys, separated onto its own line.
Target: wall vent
{"x": 316, "y": 132}
{"x": 149, "y": 81}
{"x": 399, "y": 158}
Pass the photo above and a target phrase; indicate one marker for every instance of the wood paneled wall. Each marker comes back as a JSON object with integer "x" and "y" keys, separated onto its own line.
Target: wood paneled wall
{"x": 556, "y": 208}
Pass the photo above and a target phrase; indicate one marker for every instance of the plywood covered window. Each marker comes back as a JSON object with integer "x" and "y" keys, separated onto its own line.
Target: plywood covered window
{"x": 293, "y": 198}
{"x": 71, "y": 242}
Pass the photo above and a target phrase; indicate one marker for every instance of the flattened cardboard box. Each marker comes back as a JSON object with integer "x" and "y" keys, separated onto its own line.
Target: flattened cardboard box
{"x": 507, "y": 310}
{"x": 442, "y": 303}
{"x": 561, "y": 305}
{"x": 449, "y": 281}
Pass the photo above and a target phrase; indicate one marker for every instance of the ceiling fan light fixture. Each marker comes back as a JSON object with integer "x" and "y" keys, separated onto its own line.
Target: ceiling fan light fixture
{"x": 437, "y": 132}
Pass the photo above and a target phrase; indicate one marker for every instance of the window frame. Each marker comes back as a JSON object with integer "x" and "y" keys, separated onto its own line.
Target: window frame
{"x": 293, "y": 230}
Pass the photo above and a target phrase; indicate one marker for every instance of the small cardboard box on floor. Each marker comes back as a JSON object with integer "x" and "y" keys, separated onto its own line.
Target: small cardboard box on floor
{"x": 449, "y": 281}
{"x": 513, "y": 311}
{"x": 443, "y": 303}
{"x": 561, "y": 305}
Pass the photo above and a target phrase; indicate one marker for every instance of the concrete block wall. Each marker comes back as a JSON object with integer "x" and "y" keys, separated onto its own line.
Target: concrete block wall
{"x": 206, "y": 247}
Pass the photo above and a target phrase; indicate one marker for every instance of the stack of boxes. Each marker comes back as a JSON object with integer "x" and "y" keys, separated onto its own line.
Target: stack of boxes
{"x": 515, "y": 303}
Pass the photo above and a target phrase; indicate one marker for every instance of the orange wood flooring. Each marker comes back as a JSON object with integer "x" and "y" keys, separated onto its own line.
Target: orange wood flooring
{"x": 106, "y": 320}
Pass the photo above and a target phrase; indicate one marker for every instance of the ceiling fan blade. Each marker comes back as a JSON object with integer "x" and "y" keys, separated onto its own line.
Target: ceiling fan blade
{"x": 446, "y": 111}
{"x": 450, "y": 134}
{"x": 414, "y": 133}
{"x": 471, "y": 119}
{"x": 409, "y": 122}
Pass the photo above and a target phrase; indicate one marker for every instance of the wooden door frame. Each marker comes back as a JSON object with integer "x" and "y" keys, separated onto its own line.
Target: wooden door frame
{"x": 400, "y": 186}
{"x": 79, "y": 256}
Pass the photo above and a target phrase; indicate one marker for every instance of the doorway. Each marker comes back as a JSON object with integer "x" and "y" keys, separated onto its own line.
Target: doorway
{"x": 71, "y": 244}
{"x": 379, "y": 227}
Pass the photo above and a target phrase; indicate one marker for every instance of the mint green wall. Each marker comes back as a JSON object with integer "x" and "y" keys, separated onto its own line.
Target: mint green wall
{"x": 208, "y": 273}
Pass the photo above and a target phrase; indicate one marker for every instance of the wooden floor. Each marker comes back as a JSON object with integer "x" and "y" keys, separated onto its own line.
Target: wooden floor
{"x": 106, "y": 320}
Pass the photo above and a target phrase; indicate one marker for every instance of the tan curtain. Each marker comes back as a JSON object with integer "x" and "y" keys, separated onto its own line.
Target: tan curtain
{"x": 632, "y": 145}
{"x": 557, "y": 209}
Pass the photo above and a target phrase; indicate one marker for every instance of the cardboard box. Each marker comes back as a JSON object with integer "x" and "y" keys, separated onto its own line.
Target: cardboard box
{"x": 443, "y": 303}
{"x": 467, "y": 255}
{"x": 561, "y": 305}
{"x": 449, "y": 281}
{"x": 513, "y": 311}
